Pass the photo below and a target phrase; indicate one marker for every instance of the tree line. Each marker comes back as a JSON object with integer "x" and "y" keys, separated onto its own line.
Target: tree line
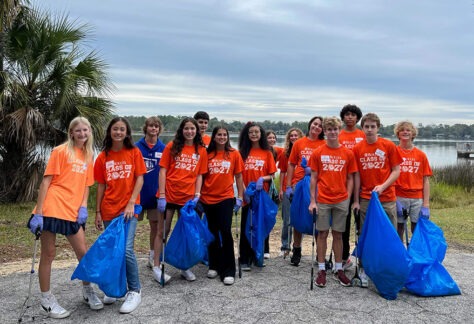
{"x": 441, "y": 131}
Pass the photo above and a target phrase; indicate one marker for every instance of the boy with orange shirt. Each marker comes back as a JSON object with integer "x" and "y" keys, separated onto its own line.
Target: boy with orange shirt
{"x": 413, "y": 186}
{"x": 202, "y": 119}
{"x": 378, "y": 162}
{"x": 332, "y": 171}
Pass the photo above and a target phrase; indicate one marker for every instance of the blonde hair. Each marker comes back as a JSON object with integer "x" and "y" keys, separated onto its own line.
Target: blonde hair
{"x": 405, "y": 125}
{"x": 87, "y": 149}
{"x": 332, "y": 122}
{"x": 153, "y": 120}
{"x": 288, "y": 144}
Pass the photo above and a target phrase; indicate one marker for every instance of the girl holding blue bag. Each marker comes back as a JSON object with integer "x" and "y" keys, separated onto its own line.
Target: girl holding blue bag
{"x": 119, "y": 171}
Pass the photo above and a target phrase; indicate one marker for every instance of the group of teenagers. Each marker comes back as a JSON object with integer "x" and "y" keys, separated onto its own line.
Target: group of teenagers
{"x": 344, "y": 162}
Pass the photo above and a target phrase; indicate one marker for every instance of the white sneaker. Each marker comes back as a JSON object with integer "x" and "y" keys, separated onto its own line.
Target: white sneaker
{"x": 266, "y": 255}
{"x": 364, "y": 279}
{"x": 157, "y": 275}
{"x": 132, "y": 300}
{"x": 282, "y": 253}
{"x": 346, "y": 264}
{"x": 51, "y": 306}
{"x": 109, "y": 300}
{"x": 228, "y": 281}
{"x": 91, "y": 298}
{"x": 188, "y": 275}
{"x": 211, "y": 274}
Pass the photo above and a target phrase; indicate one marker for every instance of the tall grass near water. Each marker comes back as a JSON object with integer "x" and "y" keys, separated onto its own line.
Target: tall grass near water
{"x": 451, "y": 186}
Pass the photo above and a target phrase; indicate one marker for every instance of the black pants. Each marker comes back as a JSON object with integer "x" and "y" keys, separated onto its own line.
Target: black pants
{"x": 346, "y": 235}
{"x": 221, "y": 251}
{"x": 247, "y": 255}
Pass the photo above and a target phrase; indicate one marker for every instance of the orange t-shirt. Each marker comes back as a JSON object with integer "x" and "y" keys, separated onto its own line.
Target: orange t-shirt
{"x": 279, "y": 151}
{"x": 349, "y": 139}
{"x": 182, "y": 172}
{"x": 70, "y": 179}
{"x": 375, "y": 162}
{"x": 119, "y": 171}
{"x": 414, "y": 167}
{"x": 332, "y": 165}
{"x": 259, "y": 163}
{"x": 206, "y": 139}
{"x": 283, "y": 165}
{"x": 302, "y": 148}
{"x": 219, "y": 180}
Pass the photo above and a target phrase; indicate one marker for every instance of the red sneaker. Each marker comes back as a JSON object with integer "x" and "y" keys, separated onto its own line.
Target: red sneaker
{"x": 341, "y": 277}
{"x": 321, "y": 279}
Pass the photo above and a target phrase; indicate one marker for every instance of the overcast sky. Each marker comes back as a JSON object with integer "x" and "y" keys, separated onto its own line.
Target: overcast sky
{"x": 285, "y": 60}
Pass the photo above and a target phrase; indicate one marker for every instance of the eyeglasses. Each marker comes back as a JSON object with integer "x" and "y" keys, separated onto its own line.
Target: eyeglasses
{"x": 254, "y": 132}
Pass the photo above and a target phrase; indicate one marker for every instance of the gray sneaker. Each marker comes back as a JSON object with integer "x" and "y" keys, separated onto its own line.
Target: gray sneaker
{"x": 364, "y": 279}
{"x": 91, "y": 298}
{"x": 51, "y": 306}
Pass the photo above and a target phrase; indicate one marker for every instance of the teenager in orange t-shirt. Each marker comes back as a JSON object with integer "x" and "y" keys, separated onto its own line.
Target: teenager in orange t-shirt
{"x": 378, "y": 162}
{"x": 333, "y": 167}
{"x": 202, "y": 119}
{"x": 272, "y": 139}
{"x": 350, "y": 135}
{"x": 291, "y": 137}
{"x": 217, "y": 194}
{"x": 302, "y": 148}
{"x": 259, "y": 166}
{"x": 119, "y": 171}
{"x": 62, "y": 209}
{"x": 413, "y": 186}
{"x": 182, "y": 165}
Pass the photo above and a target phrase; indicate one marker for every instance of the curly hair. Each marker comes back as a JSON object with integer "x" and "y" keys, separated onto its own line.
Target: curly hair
{"x": 351, "y": 108}
{"x": 245, "y": 145}
{"x": 288, "y": 144}
{"x": 405, "y": 125}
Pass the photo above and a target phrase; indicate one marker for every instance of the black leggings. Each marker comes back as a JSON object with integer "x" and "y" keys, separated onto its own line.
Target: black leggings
{"x": 221, "y": 251}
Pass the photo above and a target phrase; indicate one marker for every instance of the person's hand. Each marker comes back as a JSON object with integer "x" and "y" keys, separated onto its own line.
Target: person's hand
{"x": 288, "y": 192}
{"x": 238, "y": 204}
{"x": 259, "y": 184}
{"x": 82, "y": 215}
{"x": 399, "y": 209}
{"x": 161, "y": 202}
{"x": 280, "y": 195}
{"x": 98, "y": 221}
{"x": 35, "y": 222}
{"x": 425, "y": 212}
{"x": 195, "y": 199}
{"x": 355, "y": 206}
{"x": 129, "y": 211}
{"x": 307, "y": 171}
{"x": 311, "y": 207}
{"x": 379, "y": 189}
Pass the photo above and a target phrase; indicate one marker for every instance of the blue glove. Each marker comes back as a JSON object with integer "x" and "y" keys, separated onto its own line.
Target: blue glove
{"x": 35, "y": 222}
{"x": 238, "y": 204}
{"x": 161, "y": 202}
{"x": 82, "y": 215}
{"x": 425, "y": 212}
{"x": 195, "y": 199}
{"x": 399, "y": 209}
{"x": 137, "y": 209}
{"x": 288, "y": 192}
{"x": 246, "y": 197}
{"x": 259, "y": 185}
{"x": 307, "y": 171}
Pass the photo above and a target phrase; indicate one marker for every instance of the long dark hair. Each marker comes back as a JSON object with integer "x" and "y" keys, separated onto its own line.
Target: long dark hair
{"x": 321, "y": 135}
{"x": 212, "y": 148}
{"x": 178, "y": 141}
{"x": 245, "y": 145}
{"x": 128, "y": 140}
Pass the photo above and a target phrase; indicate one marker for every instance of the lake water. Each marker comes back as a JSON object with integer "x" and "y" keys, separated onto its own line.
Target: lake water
{"x": 440, "y": 153}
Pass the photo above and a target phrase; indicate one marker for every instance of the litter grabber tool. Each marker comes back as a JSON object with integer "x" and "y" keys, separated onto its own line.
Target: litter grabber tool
{"x": 312, "y": 251}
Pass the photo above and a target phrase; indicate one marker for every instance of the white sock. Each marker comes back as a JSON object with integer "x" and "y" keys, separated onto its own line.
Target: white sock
{"x": 321, "y": 266}
{"x": 338, "y": 266}
{"x": 46, "y": 294}
{"x": 152, "y": 254}
{"x": 157, "y": 269}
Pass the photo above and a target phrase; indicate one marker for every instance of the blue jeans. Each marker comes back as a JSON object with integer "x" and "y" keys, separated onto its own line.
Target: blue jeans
{"x": 286, "y": 233}
{"x": 131, "y": 264}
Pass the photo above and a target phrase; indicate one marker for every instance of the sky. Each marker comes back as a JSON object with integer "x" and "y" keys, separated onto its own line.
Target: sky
{"x": 285, "y": 60}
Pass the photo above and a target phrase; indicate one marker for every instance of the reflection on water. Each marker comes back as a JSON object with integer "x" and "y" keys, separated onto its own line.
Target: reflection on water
{"x": 440, "y": 153}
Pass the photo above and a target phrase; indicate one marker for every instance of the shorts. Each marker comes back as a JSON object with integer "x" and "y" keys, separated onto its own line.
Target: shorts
{"x": 338, "y": 211}
{"x": 171, "y": 206}
{"x": 413, "y": 206}
{"x": 60, "y": 226}
{"x": 390, "y": 208}
{"x": 151, "y": 214}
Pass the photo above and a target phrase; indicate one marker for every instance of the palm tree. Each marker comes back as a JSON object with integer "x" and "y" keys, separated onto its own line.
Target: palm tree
{"x": 48, "y": 80}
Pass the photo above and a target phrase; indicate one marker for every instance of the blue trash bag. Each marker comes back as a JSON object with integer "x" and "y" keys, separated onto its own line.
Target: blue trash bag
{"x": 104, "y": 262}
{"x": 262, "y": 215}
{"x": 189, "y": 240}
{"x": 385, "y": 259}
{"x": 300, "y": 217}
{"x": 427, "y": 249}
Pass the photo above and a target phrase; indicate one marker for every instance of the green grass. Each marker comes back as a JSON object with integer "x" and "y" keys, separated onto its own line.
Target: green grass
{"x": 459, "y": 175}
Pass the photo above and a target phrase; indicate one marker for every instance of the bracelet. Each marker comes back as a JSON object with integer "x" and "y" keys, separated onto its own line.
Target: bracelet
{"x": 197, "y": 194}
{"x": 239, "y": 198}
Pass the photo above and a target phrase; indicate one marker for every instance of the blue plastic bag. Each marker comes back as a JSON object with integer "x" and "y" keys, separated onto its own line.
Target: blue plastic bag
{"x": 383, "y": 255}
{"x": 262, "y": 216}
{"x": 427, "y": 249}
{"x": 104, "y": 262}
{"x": 300, "y": 217}
{"x": 189, "y": 240}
